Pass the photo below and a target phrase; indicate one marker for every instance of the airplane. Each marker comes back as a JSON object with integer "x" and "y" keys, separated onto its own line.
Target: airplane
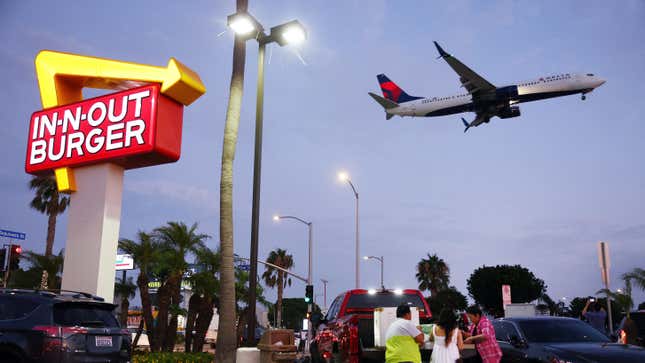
{"x": 481, "y": 97}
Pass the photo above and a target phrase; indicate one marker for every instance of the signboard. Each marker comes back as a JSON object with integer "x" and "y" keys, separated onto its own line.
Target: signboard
{"x": 133, "y": 128}
{"x": 506, "y": 295}
{"x": 244, "y": 267}
{"x": 12, "y": 235}
{"x": 124, "y": 262}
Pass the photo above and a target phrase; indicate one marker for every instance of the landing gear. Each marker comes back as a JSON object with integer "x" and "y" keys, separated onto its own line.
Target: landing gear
{"x": 583, "y": 97}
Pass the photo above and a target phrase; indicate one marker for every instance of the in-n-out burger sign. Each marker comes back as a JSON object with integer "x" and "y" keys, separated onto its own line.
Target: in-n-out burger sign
{"x": 134, "y": 128}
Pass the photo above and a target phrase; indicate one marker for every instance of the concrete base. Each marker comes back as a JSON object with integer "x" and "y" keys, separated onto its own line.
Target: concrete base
{"x": 247, "y": 355}
{"x": 93, "y": 230}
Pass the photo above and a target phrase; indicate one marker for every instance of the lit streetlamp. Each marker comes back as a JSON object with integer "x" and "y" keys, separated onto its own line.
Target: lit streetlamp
{"x": 291, "y": 32}
{"x": 310, "y": 227}
{"x": 343, "y": 176}
{"x": 380, "y": 259}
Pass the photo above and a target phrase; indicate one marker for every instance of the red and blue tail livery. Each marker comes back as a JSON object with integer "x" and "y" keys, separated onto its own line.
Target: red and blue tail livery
{"x": 393, "y": 92}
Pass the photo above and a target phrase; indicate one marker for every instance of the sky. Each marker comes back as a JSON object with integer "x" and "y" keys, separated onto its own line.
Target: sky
{"x": 539, "y": 190}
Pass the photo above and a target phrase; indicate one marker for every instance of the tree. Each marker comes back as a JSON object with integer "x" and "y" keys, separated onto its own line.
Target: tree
{"x": 274, "y": 277}
{"x": 637, "y": 275}
{"x": 49, "y": 202}
{"x": 176, "y": 240}
{"x": 226, "y": 342}
{"x": 125, "y": 290}
{"x": 433, "y": 274}
{"x": 295, "y": 310}
{"x": 146, "y": 256}
{"x": 485, "y": 286}
{"x": 449, "y": 298}
{"x": 51, "y": 266}
{"x": 203, "y": 300}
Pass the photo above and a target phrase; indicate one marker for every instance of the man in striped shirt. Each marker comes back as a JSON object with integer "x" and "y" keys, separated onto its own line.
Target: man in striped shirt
{"x": 482, "y": 334}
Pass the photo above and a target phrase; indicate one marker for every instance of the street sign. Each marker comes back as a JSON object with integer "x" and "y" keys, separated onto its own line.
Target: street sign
{"x": 124, "y": 262}
{"x": 12, "y": 235}
{"x": 506, "y": 295}
{"x": 244, "y": 267}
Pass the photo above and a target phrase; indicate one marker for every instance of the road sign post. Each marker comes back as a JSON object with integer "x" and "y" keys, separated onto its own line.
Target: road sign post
{"x": 603, "y": 261}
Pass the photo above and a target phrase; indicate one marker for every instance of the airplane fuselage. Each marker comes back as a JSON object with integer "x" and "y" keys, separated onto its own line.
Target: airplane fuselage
{"x": 504, "y": 97}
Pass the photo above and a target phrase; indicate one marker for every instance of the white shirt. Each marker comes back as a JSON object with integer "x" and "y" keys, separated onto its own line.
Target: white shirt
{"x": 402, "y": 327}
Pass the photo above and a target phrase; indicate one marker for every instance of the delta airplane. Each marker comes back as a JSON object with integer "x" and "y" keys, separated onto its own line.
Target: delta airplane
{"x": 482, "y": 97}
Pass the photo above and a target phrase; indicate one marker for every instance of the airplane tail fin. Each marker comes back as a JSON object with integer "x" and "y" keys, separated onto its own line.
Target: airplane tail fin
{"x": 387, "y": 104}
{"x": 393, "y": 92}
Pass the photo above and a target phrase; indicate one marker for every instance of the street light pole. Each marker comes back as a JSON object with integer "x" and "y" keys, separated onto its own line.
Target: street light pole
{"x": 382, "y": 261}
{"x": 291, "y": 32}
{"x": 324, "y": 292}
{"x": 310, "y": 227}
{"x": 345, "y": 177}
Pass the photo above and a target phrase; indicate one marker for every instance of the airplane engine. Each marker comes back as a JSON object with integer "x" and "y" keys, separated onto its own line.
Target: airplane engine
{"x": 508, "y": 112}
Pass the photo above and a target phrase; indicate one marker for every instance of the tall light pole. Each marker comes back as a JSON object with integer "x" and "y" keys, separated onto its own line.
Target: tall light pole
{"x": 310, "y": 227}
{"x": 324, "y": 291}
{"x": 342, "y": 176}
{"x": 288, "y": 33}
{"x": 380, "y": 259}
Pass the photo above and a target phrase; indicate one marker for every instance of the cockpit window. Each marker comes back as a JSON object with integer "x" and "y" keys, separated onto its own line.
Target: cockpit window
{"x": 590, "y": 74}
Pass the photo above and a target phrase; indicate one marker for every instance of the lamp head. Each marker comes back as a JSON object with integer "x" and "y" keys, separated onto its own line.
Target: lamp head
{"x": 343, "y": 176}
{"x": 276, "y": 218}
{"x": 288, "y": 33}
{"x": 245, "y": 25}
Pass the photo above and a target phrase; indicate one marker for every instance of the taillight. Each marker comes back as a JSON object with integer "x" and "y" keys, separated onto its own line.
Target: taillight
{"x": 326, "y": 355}
{"x": 353, "y": 340}
{"x": 623, "y": 337}
{"x": 54, "y": 336}
{"x": 60, "y": 331}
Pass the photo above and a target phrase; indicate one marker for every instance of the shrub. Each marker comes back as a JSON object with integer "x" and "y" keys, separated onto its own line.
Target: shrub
{"x": 174, "y": 357}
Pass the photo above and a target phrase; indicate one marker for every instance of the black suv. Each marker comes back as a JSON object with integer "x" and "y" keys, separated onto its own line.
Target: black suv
{"x": 61, "y": 326}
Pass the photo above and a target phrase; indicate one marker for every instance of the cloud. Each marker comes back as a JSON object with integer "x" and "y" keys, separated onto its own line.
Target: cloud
{"x": 197, "y": 196}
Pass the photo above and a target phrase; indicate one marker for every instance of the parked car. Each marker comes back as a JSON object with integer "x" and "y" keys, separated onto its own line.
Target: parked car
{"x": 346, "y": 334}
{"x": 559, "y": 340}
{"x": 47, "y": 326}
{"x": 638, "y": 317}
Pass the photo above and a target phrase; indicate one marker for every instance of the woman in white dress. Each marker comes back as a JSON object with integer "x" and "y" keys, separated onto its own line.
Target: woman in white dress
{"x": 447, "y": 338}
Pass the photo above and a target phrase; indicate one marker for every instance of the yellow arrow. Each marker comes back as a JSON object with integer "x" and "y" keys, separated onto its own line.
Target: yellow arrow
{"x": 62, "y": 76}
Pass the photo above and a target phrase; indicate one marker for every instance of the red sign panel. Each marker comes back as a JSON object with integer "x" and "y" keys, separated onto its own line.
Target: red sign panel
{"x": 134, "y": 128}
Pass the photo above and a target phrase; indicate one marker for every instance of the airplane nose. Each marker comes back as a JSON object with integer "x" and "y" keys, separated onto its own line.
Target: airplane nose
{"x": 600, "y": 82}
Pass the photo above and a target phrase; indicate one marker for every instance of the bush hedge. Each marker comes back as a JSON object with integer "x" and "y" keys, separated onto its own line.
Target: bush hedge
{"x": 174, "y": 357}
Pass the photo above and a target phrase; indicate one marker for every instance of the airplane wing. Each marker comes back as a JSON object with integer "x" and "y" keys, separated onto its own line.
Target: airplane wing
{"x": 470, "y": 80}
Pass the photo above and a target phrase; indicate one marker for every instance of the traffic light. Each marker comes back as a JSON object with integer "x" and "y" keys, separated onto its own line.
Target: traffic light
{"x": 3, "y": 259}
{"x": 309, "y": 294}
{"x": 14, "y": 257}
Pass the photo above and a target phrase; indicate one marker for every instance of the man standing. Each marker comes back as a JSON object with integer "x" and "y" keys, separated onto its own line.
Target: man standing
{"x": 482, "y": 334}
{"x": 596, "y": 316}
{"x": 403, "y": 338}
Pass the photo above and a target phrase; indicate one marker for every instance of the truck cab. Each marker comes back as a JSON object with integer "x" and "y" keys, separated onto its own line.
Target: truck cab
{"x": 346, "y": 334}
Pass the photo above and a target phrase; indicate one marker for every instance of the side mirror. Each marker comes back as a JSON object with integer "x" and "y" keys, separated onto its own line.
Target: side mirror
{"x": 518, "y": 342}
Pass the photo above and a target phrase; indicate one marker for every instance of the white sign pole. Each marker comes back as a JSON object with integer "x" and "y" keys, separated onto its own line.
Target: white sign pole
{"x": 93, "y": 230}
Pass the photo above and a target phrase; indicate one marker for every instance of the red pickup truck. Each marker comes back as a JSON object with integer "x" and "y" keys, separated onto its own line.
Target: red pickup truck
{"x": 346, "y": 334}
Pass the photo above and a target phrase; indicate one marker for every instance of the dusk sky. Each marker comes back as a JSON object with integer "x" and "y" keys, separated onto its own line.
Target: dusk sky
{"x": 539, "y": 190}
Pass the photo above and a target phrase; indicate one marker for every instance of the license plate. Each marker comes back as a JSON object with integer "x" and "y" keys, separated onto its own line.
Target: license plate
{"x": 103, "y": 341}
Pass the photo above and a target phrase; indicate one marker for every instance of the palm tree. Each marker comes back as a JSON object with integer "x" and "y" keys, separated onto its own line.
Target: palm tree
{"x": 146, "y": 255}
{"x": 125, "y": 290}
{"x": 637, "y": 275}
{"x": 51, "y": 265}
{"x": 274, "y": 277}
{"x": 48, "y": 201}
{"x": 202, "y": 302}
{"x": 433, "y": 274}
{"x": 226, "y": 342}
{"x": 178, "y": 240}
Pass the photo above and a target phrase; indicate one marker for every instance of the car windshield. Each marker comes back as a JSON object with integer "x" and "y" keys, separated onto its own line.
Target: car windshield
{"x": 560, "y": 331}
{"x": 383, "y": 300}
{"x": 88, "y": 315}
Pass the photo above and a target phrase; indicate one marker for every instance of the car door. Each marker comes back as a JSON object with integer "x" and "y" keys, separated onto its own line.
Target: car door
{"x": 508, "y": 339}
